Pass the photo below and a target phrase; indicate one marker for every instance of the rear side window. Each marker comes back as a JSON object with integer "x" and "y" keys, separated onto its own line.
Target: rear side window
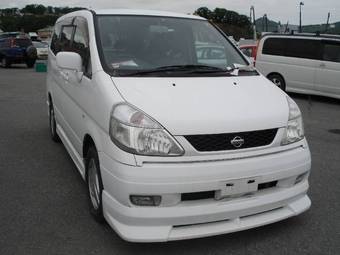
{"x": 300, "y": 48}
{"x": 274, "y": 46}
{"x": 331, "y": 52}
{"x": 296, "y": 48}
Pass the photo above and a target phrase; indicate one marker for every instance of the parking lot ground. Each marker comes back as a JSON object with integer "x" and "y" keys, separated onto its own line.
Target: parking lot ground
{"x": 43, "y": 204}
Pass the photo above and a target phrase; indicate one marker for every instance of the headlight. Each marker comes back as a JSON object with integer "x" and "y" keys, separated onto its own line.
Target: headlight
{"x": 294, "y": 131}
{"x": 135, "y": 132}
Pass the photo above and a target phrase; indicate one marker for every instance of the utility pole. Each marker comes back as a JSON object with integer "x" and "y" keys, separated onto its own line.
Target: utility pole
{"x": 300, "y": 27}
{"x": 327, "y": 24}
{"x": 253, "y": 21}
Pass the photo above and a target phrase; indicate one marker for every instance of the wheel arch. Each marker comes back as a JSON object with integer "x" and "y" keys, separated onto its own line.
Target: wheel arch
{"x": 276, "y": 73}
{"x": 87, "y": 143}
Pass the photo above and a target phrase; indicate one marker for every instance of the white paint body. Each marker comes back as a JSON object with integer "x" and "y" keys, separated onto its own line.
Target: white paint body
{"x": 196, "y": 105}
{"x": 301, "y": 75}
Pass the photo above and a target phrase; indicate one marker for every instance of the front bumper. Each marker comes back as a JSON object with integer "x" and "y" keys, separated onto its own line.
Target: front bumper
{"x": 206, "y": 217}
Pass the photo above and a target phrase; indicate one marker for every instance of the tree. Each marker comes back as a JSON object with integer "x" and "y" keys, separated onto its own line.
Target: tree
{"x": 204, "y": 12}
{"x": 230, "y": 22}
{"x": 219, "y": 15}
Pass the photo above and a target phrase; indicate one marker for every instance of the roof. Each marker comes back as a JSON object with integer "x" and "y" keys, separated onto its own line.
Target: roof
{"x": 145, "y": 13}
{"x": 304, "y": 35}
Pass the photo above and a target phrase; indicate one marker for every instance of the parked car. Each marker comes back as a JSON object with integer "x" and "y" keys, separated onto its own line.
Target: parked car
{"x": 16, "y": 48}
{"x": 42, "y": 49}
{"x": 210, "y": 54}
{"x": 172, "y": 148}
{"x": 301, "y": 63}
{"x": 34, "y": 36}
{"x": 250, "y": 51}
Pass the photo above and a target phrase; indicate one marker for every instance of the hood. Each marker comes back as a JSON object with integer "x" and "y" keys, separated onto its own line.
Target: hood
{"x": 207, "y": 105}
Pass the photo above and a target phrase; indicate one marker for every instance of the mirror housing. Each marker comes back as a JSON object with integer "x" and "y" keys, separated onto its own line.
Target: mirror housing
{"x": 70, "y": 61}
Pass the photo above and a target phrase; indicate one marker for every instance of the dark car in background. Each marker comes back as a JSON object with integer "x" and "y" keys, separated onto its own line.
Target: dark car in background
{"x": 16, "y": 48}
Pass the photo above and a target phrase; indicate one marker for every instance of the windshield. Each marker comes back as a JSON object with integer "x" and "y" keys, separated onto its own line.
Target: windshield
{"x": 130, "y": 44}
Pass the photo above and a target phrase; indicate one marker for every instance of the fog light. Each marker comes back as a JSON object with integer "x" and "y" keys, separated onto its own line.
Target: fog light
{"x": 146, "y": 200}
{"x": 300, "y": 178}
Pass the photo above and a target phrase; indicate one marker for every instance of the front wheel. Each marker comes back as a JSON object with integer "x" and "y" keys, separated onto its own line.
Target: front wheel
{"x": 94, "y": 184}
{"x": 53, "y": 124}
{"x": 278, "y": 81}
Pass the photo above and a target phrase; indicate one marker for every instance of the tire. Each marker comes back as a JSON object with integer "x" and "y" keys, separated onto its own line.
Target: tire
{"x": 31, "y": 52}
{"x": 53, "y": 124}
{"x": 30, "y": 63}
{"x": 94, "y": 184}
{"x": 278, "y": 81}
{"x": 5, "y": 62}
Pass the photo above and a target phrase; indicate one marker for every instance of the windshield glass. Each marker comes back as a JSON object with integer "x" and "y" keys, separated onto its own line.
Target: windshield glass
{"x": 130, "y": 44}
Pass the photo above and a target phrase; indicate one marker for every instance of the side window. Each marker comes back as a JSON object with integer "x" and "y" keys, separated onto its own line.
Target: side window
{"x": 80, "y": 43}
{"x": 66, "y": 35}
{"x": 56, "y": 44}
{"x": 301, "y": 48}
{"x": 55, "y": 38}
{"x": 331, "y": 52}
{"x": 274, "y": 46}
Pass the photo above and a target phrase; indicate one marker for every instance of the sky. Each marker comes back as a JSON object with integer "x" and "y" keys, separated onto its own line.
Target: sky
{"x": 313, "y": 12}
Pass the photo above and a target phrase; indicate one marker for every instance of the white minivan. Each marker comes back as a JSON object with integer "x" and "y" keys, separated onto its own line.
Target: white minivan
{"x": 301, "y": 63}
{"x": 175, "y": 134}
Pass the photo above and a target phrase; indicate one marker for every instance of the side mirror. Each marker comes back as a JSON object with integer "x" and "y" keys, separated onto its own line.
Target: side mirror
{"x": 70, "y": 61}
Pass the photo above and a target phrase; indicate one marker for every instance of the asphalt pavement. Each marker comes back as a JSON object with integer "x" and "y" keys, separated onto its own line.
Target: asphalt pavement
{"x": 43, "y": 203}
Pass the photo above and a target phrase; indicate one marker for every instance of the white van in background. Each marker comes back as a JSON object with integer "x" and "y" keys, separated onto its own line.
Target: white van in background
{"x": 301, "y": 63}
{"x": 175, "y": 134}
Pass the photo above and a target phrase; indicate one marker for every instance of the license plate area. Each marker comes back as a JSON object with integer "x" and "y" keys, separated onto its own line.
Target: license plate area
{"x": 237, "y": 187}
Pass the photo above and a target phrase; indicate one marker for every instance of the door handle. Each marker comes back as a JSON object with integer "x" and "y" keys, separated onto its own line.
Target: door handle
{"x": 322, "y": 65}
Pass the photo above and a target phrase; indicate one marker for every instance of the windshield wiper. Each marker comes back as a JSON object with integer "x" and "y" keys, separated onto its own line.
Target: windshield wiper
{"x": 179, "y": 68}
{"x": 236, "y": 70}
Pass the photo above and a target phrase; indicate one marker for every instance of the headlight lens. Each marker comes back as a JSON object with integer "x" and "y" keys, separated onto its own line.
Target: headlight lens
{"x": 135, "y": 132}
{"x": 294, "y": 131}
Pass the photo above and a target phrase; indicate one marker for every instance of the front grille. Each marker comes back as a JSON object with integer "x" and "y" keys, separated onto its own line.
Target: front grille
{"x": 223, "y": 142}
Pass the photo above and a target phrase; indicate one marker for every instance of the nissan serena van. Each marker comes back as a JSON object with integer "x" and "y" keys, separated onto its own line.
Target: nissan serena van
{"x": 301, "y": 63}
{"x": 176, "y": 135}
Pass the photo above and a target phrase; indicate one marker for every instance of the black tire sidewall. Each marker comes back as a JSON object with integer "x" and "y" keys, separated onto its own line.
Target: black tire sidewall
{"x": 53, "y": 133}
{"x": 96, "y": 213}
{"x": 278, "y": 77}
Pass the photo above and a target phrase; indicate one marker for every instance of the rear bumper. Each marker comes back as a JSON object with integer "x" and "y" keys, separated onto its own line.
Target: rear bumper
{"x": 201, "y": 218}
